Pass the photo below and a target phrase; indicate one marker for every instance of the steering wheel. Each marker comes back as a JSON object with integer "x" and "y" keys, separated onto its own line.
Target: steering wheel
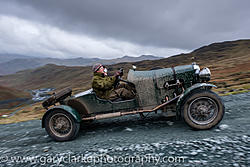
{"x": 118, "y": 77}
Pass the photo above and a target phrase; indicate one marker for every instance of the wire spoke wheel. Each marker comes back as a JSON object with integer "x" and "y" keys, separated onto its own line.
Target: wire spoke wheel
{"x": 203, "y": 110}
{"x": 60, "y": 125}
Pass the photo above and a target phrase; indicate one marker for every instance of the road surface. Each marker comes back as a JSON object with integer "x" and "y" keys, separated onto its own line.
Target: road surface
{"x": 131, "y": 141}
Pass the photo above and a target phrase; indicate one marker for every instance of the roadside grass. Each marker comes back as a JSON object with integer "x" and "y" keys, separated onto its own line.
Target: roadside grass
{"x": 33, "y": 112}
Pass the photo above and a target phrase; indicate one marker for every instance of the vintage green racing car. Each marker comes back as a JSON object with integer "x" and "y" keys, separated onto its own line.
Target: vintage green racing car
{"x": 181, "y": 91}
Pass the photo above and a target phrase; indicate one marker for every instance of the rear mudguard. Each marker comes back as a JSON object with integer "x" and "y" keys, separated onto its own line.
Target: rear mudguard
{"x": 68, "y": 109}
{"x": 188, "y": 91}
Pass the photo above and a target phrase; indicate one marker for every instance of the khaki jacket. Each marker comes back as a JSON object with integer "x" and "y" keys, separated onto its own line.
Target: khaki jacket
{"x": 103, "y": 85}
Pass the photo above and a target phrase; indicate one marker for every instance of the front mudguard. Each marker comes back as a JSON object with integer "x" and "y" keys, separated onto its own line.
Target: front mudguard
{"x": 188, "y": 91}
{"x": 68, "y": 109}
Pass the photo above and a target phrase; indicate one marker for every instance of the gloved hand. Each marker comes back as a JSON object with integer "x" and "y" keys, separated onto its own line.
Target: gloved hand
{"x": 119, "y": 73}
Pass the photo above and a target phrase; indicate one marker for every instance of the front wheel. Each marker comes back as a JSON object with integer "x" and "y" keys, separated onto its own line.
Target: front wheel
{"x": 203, "y": 109}
{"x": 61, "y": 126}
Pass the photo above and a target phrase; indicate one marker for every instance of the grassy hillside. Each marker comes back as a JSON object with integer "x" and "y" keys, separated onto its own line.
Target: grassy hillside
{"x": 50, "y": 76}
{"x": 11, "y": 93}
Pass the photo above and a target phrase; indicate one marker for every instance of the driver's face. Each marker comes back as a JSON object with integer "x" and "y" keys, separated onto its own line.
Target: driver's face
{"x": 101, "y": 69}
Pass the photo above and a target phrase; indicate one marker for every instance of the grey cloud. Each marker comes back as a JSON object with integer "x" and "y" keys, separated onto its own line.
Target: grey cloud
{"x": 167, "y": 24}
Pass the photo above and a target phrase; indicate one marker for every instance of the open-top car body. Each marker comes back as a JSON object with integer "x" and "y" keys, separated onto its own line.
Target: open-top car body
{"x": 181, "y": 91}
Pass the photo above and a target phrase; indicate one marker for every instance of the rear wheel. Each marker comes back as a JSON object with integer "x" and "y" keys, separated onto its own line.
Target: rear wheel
{"x": 203, "y": 109}
{"x": 61, "y": 126}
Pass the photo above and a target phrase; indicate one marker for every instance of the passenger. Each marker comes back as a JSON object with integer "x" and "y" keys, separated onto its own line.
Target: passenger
{"x": 105, "y": 86}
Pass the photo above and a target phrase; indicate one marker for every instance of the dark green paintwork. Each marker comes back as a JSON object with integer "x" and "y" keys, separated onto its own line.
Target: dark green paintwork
{"x": 93, "y": 104}
{"x": 189, "y": 90}
{"x": 66, "y": 108}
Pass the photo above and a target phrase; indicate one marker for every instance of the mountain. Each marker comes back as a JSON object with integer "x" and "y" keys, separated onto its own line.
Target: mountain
{"x": 228, "y": 61}
{"x": 8, "y": 57}
{"x": 15, "y": 65}
{"x": 130, "y": 59}
{"x": 18, "y": 64}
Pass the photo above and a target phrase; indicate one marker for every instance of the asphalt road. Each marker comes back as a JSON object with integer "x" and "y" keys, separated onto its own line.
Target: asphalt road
{"x": 131, "y": 141}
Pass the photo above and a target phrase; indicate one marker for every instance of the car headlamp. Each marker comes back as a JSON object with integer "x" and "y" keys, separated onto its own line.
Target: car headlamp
{"x": 205, "y": 74}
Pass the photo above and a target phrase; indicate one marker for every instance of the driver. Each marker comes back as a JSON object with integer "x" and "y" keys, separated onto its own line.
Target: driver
{"x": 104, "y": 86}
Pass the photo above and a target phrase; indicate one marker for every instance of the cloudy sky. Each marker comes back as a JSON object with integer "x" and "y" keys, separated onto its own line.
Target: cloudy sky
{"x": 114, "y": 28}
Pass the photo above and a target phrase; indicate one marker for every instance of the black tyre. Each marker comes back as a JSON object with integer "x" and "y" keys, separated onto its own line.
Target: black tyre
{"x": 61, "y": 126}
{"x": 203, "y": 109}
